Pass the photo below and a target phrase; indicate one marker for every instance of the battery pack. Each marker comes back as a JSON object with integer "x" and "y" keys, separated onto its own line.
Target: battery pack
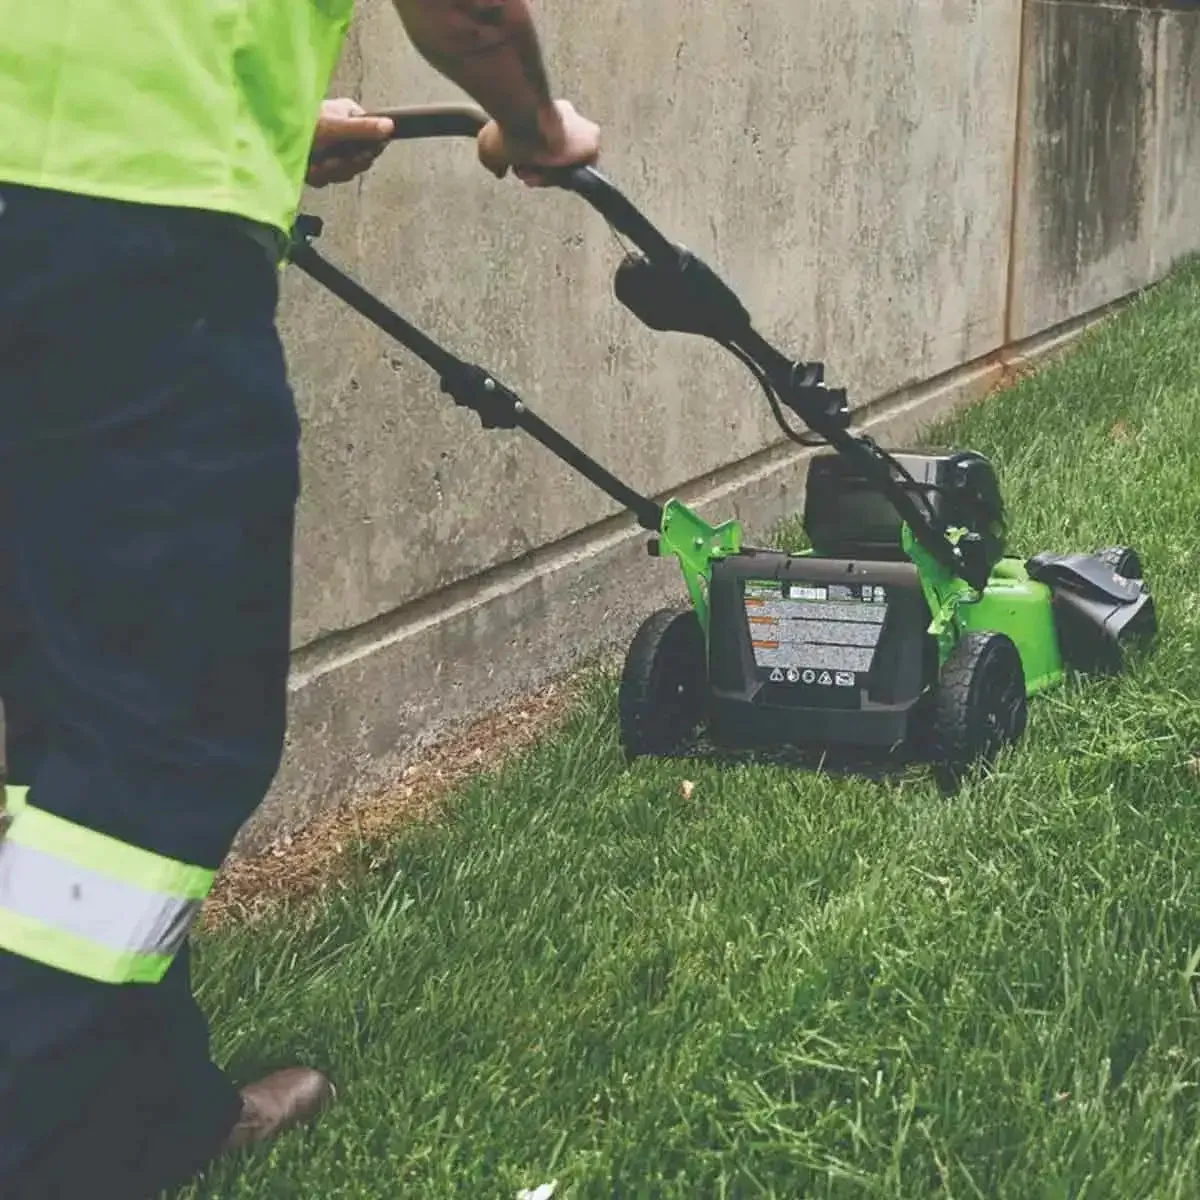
{"x": 848, "y": 516}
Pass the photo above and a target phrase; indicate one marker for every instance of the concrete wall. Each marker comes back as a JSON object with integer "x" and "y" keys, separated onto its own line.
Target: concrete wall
{"x": 1108, "y": 171}
{"x": 901, "y": 187}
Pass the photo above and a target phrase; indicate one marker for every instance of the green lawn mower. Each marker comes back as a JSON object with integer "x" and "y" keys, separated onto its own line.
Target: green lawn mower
{"x": 906, "y": 626}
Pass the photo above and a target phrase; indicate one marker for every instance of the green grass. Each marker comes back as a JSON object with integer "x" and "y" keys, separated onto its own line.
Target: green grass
{"x": 791, "y": 984}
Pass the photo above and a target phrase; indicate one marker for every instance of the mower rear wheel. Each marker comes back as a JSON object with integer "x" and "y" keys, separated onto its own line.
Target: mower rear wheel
{"x": 661, "y": 698}
{"x": 980, "y": 704}
{"x": 1125, "y": 561}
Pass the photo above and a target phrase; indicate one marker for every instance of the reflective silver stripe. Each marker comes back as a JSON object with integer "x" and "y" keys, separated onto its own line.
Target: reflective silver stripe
{"x": 71, "y": 899}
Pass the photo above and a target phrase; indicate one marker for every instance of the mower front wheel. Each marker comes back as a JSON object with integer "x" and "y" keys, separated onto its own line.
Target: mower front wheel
{"x": 981, "y": 703}
{"x": 663, "y": 685}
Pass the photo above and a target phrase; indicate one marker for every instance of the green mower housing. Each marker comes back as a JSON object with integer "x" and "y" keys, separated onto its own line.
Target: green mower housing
{"x": 865, "y": 640}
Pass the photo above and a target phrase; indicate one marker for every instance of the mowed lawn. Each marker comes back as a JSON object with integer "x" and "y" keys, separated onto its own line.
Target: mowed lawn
{"x": 784, "y": 983}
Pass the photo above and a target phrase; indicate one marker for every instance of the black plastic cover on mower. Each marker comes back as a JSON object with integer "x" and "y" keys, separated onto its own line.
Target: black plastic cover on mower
{"x": 857, "y": 677}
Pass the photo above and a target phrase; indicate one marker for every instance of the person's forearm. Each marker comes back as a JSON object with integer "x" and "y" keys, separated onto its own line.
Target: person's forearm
{"x": 489, "y": 48}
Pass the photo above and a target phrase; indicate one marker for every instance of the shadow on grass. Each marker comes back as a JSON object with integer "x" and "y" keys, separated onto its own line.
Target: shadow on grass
{"x": 838, "y": 762}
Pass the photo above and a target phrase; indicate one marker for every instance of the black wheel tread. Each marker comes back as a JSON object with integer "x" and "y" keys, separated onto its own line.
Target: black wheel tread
{"x": 669, "y": 640}
{"x": 957, "y": 715}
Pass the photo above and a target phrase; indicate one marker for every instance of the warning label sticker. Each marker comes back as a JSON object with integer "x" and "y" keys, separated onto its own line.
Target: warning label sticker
{"x": 807, "y": 633}
{"x": 763, "y": 589}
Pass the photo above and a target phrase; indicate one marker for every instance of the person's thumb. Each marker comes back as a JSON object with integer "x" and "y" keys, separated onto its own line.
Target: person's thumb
{"x": 492, "y": 151}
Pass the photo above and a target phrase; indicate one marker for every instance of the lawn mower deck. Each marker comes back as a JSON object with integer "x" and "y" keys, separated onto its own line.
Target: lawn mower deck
{"x": 905, "y": 625}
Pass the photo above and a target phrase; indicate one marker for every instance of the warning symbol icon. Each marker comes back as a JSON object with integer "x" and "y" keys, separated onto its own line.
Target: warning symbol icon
{"x": 826, "y": 679}
{"x": 777, "y": 675}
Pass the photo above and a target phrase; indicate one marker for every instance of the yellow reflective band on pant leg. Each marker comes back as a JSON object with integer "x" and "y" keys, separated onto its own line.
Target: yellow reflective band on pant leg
{"x": 75, "y": 955}
{"x": 83, "y": 902}
{"x": 98, "y": 852}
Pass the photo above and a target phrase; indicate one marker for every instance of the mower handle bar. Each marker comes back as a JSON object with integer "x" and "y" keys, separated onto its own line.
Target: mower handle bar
{"x": 466, "y": 121}
{"x": 462, "y": 120}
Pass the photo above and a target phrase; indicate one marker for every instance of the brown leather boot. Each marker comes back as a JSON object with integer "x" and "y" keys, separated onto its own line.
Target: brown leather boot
{"x": 278, "y": 1103}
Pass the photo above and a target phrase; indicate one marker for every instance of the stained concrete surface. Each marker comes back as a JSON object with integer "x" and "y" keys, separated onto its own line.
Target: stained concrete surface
{"x": 1177, "y": 213}
{"x": 1084, "y": 229}
{"x": 850, "y": 169}
{"x": 1109, "y": 156}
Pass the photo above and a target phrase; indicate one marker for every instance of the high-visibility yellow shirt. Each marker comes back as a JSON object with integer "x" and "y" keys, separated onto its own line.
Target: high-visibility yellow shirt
{"x": 203, "y": 104}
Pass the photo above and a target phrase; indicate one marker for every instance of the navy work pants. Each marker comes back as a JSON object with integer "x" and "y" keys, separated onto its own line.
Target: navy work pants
{"x": 148, "y": 479}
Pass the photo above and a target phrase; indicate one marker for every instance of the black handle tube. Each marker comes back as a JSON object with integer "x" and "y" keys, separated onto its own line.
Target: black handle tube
{"x": 431, "y": 121}
{"x": 620, "y": 212}
{"x": 496, "y": 399}
{"x": 649, "y": 512}
{"x": 378, "y": 313}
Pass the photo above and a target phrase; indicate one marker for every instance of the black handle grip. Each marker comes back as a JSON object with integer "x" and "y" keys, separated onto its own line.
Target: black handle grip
{"x": 464, "y": 120}
{"x": 434, "y": 121}
{"x": 419, "y": 121}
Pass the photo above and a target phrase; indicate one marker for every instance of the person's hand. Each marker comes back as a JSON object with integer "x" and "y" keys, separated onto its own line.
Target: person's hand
{"x": 346, "y": 144}
{"x": 567, "y": 140}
